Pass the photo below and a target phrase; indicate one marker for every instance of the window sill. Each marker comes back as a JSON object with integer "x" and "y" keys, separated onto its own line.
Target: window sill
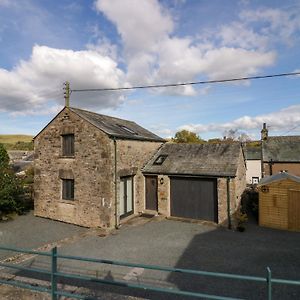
{"x": 70, "y": 157}
{"x": 65, "y": 201}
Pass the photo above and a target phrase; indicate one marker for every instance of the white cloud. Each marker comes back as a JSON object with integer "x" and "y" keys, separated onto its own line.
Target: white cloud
{"x": 280, "y": 25}
{"x": 281, "y": 120}
{"x": 237, "y": 34}
{"x": 141, "y": 24}
{"x": 154, "y": 54}
{"x": 34, "y": 82}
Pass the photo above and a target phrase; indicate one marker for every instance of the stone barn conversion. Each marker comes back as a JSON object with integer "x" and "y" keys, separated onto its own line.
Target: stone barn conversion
{"x": 88, "y": 168}
{"x": 279, "y": 201}
{"x": 198, "y": 181}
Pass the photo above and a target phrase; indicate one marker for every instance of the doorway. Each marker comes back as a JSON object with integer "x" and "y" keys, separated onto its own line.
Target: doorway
{"x": 126, "y": 196}
{"x": 151, "y": 193}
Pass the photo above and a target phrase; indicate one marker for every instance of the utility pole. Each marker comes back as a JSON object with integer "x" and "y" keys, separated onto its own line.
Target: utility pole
{"x": 67, "y": 93}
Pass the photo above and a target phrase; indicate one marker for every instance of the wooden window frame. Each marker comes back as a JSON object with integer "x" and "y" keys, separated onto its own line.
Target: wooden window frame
{"x": 68, "y": 189}
{"x": 68, "y": 145}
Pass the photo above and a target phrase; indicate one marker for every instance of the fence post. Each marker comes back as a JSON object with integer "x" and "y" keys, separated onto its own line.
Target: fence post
{"x": 269, "y": 283}
{"x": 53, "y": 271}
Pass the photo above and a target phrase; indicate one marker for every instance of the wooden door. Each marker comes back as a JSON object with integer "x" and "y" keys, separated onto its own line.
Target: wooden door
{"x": 151, "y": 193}
{"x": 294, "y": 210}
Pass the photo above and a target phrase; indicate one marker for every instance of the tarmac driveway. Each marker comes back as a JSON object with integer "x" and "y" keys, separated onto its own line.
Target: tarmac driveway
{"x": 187, "y": 245}
{"x": 31, "y": 232}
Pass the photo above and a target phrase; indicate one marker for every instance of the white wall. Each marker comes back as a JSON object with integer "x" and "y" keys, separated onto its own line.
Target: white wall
{"x": 253, "y": 170}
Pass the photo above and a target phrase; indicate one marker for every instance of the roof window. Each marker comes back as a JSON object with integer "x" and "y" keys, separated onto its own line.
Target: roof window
{"x": 127, "y": 129}
{"x": 160, "y": 159}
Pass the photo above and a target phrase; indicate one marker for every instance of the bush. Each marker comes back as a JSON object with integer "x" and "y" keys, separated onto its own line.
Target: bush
{"x": 11, "y": 188}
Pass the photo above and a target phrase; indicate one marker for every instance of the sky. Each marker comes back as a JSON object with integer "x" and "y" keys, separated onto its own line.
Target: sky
{"x": 125, "y": 43}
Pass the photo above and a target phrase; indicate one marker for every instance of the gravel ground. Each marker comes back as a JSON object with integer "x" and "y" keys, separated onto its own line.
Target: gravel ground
{"x": 185, "y": 245}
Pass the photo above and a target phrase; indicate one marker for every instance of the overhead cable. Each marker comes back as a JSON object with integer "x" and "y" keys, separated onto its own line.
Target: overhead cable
{"x": 186, "y": 83}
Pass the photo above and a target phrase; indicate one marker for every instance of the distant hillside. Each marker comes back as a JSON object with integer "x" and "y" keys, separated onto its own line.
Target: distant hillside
{"x": 16, "y": 141}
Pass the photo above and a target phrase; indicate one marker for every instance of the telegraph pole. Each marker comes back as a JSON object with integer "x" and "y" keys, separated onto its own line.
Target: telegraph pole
{"x": 67, "y": 93}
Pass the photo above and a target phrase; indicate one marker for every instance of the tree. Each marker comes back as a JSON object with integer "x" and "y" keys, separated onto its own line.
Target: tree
{"x": 11, "y": 189}
{"x": 4, "y": 158}
{"x": 236, "y": 135}
{"x": 185, "y": 136}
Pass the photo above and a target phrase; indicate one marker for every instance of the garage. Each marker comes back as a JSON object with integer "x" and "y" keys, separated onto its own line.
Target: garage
{"x": 194, "y": 198}
{"x": 196, "y": 181}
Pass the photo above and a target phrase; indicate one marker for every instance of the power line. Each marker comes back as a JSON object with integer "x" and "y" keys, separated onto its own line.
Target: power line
{"x": 293, "y": 128}
{"x": 186, "y": 83}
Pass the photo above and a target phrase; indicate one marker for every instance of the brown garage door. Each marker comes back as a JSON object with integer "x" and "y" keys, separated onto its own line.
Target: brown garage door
{"x": 194, "y": 198}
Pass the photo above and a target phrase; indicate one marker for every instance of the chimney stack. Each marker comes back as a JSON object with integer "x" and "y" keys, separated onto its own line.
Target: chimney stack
{"x": 264, "y": 132}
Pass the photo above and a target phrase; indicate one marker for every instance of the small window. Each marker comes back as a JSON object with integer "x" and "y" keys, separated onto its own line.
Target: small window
{"x": 255, "y": 180}
{"x": 160, "y": 159}
{"x": 68, "y": 189}
{"x": 68, "y": 145}
{"x": 127, "y": 129}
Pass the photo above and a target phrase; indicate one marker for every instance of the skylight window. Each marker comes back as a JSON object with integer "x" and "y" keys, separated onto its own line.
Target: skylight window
{"x": 160, "y": 159}
{"x": 127, "y": 129}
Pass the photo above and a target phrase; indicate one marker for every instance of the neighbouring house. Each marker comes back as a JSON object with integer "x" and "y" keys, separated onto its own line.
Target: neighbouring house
{"x": 279, "y": 201}
{"x": 280, "y": 153}
{"x": 253, "y": 161}
{"x": 88, "y": 168}
{"x": 198, "y": 181}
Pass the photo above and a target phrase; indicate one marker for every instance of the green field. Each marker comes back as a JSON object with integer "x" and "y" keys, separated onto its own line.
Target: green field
{"x": 14, "y": 138}
{"x": 16, "y": 141}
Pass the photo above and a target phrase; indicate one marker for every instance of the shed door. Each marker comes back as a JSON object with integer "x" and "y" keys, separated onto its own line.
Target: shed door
{"x": 194, "y": 198}
{"x": 151, "y": 193}
{"x": 294, "y": 210}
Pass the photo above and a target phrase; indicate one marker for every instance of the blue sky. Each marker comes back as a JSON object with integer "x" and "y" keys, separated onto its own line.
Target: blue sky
{"x": 117, "y": 43}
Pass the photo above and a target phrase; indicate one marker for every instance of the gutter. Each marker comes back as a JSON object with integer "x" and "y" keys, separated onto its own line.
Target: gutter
{"x": 115, "y": 182}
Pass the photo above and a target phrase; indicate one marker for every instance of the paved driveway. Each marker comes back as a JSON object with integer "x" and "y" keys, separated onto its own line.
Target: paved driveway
{"x": 32, "y": 232}
{"x": 193, "y": 246}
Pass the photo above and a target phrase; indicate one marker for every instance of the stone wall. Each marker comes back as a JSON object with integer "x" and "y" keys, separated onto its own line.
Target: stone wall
{"x": 163, "y": 190}
{"x": 91, "y": 167}
{"x": 237, "y": 186}
{"x": 222, "y": 199}
{"x": 132, "y": 155}
{"x": 240, "y": 181}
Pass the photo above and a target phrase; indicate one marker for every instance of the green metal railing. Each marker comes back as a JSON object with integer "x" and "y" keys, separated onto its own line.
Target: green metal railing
{"x": 55, "y": 274}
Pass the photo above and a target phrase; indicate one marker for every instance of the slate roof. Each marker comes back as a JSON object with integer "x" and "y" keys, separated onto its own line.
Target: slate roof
{"x": 282, "y": 149}
{"x": 253, "y": 153}
{"x": 278, "y": 177}
{"x": 116, "y": 127}
{"x": 216, "y": 160}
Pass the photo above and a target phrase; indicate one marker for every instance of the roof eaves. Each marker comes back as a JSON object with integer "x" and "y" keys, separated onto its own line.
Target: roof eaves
{"x": 224, "y": 175}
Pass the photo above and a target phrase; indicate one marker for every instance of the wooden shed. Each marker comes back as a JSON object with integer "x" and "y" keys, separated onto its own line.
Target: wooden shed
{"x": 279, "y": 201}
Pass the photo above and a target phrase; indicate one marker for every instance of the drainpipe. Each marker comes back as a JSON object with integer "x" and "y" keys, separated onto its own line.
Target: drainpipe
{"x": 116, "y": 188}
{"x": 264, "y": 137}
{"x": 262, "y": 159}
{"x": 228, "y": 203}
{"x": 271, "y": 167}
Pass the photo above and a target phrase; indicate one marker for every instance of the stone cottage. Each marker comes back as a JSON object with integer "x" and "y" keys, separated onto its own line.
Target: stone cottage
{"x": 88, "y": 168}
{"x": 198, "y": 181}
